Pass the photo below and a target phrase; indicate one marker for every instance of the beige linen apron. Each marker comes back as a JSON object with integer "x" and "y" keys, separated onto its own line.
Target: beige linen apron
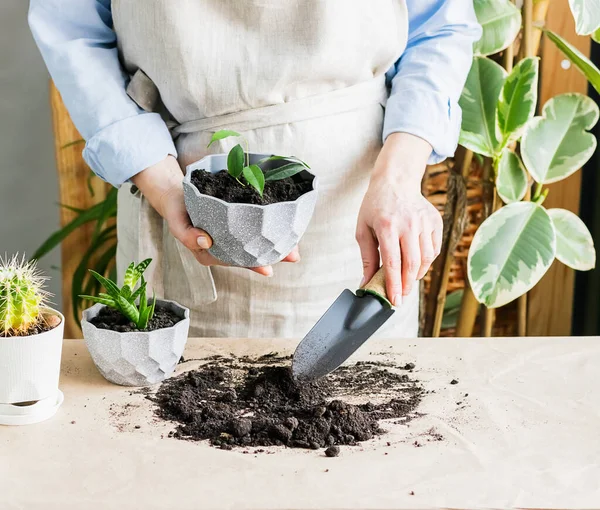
{"x": 297, "y": 77}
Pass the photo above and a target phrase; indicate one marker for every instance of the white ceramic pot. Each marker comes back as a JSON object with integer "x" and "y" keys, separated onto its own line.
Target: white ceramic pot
{"x": 137, "y": 358}
{"x": 29, "y": 372}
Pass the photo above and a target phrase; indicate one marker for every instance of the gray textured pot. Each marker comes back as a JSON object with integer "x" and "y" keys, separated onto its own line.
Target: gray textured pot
{"x": 248, "y": 235}
{"x": 139, "y": 358}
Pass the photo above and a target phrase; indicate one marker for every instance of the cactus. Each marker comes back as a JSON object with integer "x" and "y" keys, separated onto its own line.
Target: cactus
{"x": 22, "y": 296}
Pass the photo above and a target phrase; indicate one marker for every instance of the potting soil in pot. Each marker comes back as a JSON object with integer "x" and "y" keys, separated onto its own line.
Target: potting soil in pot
{"x": 244, "y": 403}
{"x": 108, "y": 318}
{"x": 221, "y": 185}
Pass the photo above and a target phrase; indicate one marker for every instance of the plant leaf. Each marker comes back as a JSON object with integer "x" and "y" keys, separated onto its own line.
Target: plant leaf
{"x": 284, "y": 171}
{"x": 138, "y": 292}
{"x": 220, "y": 135}
{"x": 586, "y": 14}
{"x": 139, "y": 270}
{"x": 71, "y": 144}
{"x": 574, "y": 243}
{"x": 235, "y": 161}
{"x": 510, "y": 253}
{"x": 287, "y": 158}
{"x": 589, "y": 70}
{"x": 99, "y": 299}
{"x": 518, "y": 99}
{"x": 500, "y": 21}
{"x": 452, "y": 309}
{"x": 255, "y": 177}
{"x": 109, "y": 285}
{"x": 511, "y": 182}
{"x": 126, "y": 292}
{"x": 556, "y": 144}
{"x": 596, "y": 36}
{"x": 129, "y": 276}
{"x": 127, "y": 309}
{"x": 478, "y": 102}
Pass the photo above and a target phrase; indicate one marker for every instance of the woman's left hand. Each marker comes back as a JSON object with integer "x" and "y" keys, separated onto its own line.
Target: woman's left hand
{"x": 396, "y": 222}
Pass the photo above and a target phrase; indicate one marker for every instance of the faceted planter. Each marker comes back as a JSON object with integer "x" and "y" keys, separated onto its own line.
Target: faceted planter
{"x": 137, "y": 358}
{"x": 29, "y": 374}
{"x": 248, "y": 235}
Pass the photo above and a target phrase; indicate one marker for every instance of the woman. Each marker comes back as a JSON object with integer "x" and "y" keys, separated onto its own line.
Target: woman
{"x": 127, "y": 69}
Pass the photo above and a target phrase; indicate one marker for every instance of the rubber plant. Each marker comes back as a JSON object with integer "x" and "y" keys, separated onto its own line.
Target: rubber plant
{"x": 515, "y": 246}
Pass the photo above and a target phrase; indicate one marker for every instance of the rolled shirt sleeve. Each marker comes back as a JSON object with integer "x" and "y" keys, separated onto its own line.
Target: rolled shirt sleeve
{"x": 79, "y": 47}
{"x": 427, "y": 80}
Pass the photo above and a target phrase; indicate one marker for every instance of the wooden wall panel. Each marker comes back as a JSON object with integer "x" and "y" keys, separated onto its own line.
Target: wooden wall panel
{"x": 551, "y": 301}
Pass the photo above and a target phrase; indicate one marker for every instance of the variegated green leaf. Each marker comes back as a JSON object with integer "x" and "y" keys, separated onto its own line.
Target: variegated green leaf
{"x": 102, "y": 300}
{"x": 128, "y": 310}
{"x": 586, "y": 14}
{"x": 501, "y": 22}
{"x": 518, "y": 99}
{"x": 511, "y": 182}
{"x": 139, "y": 270}
{"x": 584, "y": 64}
{"x": 510, "y": 253}
{"x": 556, "y": 144}
{"x": 109, "y": 285}
{"x": 574, "y": 243}
{"x": 478, "y": 102}
{"x": 129, "y": 276}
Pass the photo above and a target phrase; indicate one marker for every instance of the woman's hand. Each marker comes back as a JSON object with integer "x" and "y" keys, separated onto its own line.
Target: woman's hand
{"x": 396, "y": 219}
{"x": 162, "y": 185}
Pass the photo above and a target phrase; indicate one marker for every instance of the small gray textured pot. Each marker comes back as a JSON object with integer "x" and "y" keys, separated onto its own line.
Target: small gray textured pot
{"x": 248, "y": 235}
{"x": 138, "y": 358}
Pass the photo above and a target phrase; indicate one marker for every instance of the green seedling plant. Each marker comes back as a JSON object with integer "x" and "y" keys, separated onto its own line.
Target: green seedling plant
{"x": 22, "y": 296}
{"x": 124, "y": 299}
{"x": 238, "y": 164}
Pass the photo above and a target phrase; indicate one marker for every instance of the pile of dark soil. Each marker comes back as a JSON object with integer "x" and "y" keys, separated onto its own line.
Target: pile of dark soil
{"x": 108, "y": 318}
{"x": 250, "y": 403}
{"x": 222, "y": 185}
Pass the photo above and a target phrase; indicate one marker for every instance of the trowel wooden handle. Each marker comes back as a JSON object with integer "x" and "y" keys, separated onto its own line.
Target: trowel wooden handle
{"x": 376, "y": 287}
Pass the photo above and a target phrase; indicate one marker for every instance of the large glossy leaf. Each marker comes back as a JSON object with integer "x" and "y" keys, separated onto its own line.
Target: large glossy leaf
{"x": 478, "y": 102}
{"x": 557, "y": 144}
{"x": 510, "y": 253}
{"x": 255, "y": 177}
{"x": 574, "y": 243}
{"x": 501, "y": 22}
{"x": 518, "y": 99}
{"x": 235, "y": 161}
{"x": 511, "y": 182}
{"x": 589, "y": 70}
{"x": 586, "y": 14}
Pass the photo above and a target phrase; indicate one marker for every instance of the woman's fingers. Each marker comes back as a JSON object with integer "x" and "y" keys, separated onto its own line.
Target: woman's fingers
{"x": 427, "y": 253}
{"x": 368, "y": 252}
{"x": 392, "y": 264}
{"x": 294, "y": 256}
{"x": 411, "y": 260}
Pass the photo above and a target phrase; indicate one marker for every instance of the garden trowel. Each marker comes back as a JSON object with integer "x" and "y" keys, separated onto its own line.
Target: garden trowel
{"x": 347, "y": 324}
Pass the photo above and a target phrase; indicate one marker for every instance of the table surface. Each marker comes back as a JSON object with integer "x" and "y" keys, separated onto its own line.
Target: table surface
{"x": 527, "y": 435}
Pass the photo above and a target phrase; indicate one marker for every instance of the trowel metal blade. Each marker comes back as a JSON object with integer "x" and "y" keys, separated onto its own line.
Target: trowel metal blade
{"x": 348, "y": 323}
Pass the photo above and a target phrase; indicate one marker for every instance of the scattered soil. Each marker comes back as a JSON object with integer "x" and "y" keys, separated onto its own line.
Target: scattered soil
{"x": 108, "y": 318}
{"x": 222, "y": 185}
{"x": 454, "y": 381}
{"x": 257, "y": 403}
{"x": 332, "y": 451}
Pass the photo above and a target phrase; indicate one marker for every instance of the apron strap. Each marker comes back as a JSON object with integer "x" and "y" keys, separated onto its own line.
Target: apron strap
{"x": 145, "y": 93}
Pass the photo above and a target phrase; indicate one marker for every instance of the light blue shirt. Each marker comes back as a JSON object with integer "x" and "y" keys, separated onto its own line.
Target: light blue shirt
{"x": 79, "y": 46}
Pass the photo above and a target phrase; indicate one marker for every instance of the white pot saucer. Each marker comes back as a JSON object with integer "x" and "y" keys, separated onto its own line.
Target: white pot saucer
{"x": 11, "y": 414}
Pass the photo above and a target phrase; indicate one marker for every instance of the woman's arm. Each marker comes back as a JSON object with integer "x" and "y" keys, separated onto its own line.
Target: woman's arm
{"x": 79, "y": 47}
{"x": 422, "y": 124}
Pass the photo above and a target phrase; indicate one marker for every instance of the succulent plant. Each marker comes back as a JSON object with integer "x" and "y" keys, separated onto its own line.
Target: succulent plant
{"x": 22, "y": 296}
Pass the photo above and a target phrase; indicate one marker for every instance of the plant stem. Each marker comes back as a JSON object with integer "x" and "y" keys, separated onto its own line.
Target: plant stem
{"x": 247, "y": 152}
{"x": 537, "y": 191}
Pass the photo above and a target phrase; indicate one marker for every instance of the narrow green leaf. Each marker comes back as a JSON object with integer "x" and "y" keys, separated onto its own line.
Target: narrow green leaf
{"x": 518, "y": 100}
{"x": 478, "y": 102}
{"x": 589, "y": 70}
{"x": 102, "y": 300}
{"x": 144, "y": 318}
{"x": 557, "y": 144}
{"x": 127, "y": 309}
{"x": 255, "y": 177}
{"x": 126, "y": 292}
{"x": 284, "y": 172}
{"x": 138, "y": 292}
{"x": 129, "y": 276}
{"x": 500, "y": 21}
{"x": 153, "y": 306}
{"x": 139, "y": 270}
{"x": 220, "y": 135}
{"x": 586, "y": 14}
{"x": 235, "y": 161}
{"x": 510, "y": 253}
{"x": 574, "y": 243}
{"x": 109, "y": 285}
{"x": 74, "y": 142}
{"x": 511, "y": 182}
